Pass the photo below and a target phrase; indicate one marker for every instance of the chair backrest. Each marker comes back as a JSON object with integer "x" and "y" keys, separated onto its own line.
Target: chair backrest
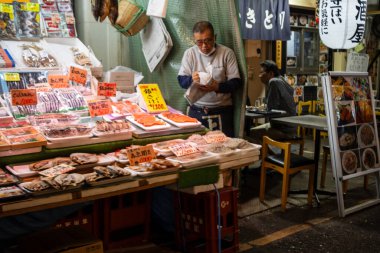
{"x": 284, "y": 146}
{"x": 302, "y": 104}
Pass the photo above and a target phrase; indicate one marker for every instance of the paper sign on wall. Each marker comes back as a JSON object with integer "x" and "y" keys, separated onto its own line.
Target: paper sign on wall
{"x": 58, "y": 81}
{"x": 99, "y": 107}
{"x": 24, "y": 97}
{"x": 78, "y": 75}
{"x": 107, "y": 89}
{"x": 152, "y": 97}
{"x": 140, "y": 154}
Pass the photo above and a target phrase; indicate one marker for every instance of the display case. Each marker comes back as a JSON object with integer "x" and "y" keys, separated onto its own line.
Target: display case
{"x": 302, "y": 51}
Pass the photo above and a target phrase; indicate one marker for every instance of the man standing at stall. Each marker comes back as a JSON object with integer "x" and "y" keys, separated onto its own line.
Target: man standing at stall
{"x": 209, "y": 71}
{"x": 279, "y": 96}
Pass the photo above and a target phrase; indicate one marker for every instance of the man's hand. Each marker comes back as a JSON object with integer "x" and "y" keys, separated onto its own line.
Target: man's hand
{"x": 213, "y": 86}
{"x": 196, "y": 78}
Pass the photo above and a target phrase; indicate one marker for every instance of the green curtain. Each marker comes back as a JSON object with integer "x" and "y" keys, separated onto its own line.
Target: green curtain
{"x": 180, "y": 18}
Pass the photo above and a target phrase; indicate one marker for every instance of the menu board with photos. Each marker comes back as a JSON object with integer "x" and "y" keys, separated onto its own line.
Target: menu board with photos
{"x": 352, "y": 124}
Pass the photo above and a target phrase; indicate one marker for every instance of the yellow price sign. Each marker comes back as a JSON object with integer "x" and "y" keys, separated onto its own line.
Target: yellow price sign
{"x": 12, "y": 77}
{"x": 33, "y": 7}
{"x": 153, "y": 98}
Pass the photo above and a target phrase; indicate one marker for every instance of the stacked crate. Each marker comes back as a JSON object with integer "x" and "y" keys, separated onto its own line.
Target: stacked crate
{"x": 197, "y": 221}
{"x": 126, "y": 219}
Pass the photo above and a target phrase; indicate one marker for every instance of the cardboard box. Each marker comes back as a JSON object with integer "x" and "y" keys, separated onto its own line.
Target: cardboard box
{"x": 65, "y": 240}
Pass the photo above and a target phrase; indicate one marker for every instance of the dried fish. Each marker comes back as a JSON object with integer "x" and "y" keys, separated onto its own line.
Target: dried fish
{"x": 80, "y": 58}
{"x": 113, "y": 11}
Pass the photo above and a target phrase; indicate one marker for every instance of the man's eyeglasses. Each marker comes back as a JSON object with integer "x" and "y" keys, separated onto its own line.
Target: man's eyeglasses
{"x": 207, "y": 42}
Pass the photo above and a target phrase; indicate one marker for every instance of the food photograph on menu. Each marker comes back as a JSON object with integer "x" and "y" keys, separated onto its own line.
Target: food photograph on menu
{"x": 355, "y": 118}
{"x": 369, "y": 158}
{"x": 350, "y": 161}
{"x": 345, "y": 111}
{"x": 347, "y": 137}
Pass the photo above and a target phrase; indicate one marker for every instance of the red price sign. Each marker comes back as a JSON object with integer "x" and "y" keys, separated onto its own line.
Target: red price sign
{"x": 140, "y": 154}
{"x": 215, "y": 138}
{"x": 78, "y": 75}
{"x": 99, "y": 108}
{"x": 107, "y": 89}
{"x": 58, "y": 81}
{"x": 183, "y": 149}
{"x": 24, "y": 97}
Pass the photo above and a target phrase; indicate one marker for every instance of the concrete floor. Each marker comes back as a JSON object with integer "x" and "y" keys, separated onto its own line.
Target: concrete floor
{"x": 265, "y": 228}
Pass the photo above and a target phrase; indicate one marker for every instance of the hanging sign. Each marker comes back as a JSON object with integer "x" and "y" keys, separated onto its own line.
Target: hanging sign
{"x": 58, "y": 81}
{"x": 78, "y": 75}
{"x": 107, "y": 89}
{"x": 140, "y": 154}
{"x": 152, "y": 97}
{"x": 24, "y": 96}
{"x": 342, "y": 22}
{"x": 265, "y": 20}
{"x": 99, "y": 107}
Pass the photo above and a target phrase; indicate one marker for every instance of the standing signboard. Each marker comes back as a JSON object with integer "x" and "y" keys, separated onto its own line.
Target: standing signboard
{"x": 353, "y": 134}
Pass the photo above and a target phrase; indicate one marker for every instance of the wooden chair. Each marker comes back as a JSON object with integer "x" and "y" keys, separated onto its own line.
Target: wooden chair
{"x": 326, "y": 152}
{"x": 287, "y": 164}
{"x": 300, "y": 111}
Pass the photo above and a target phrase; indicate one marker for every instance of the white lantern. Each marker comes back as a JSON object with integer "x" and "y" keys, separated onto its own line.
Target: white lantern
{"x": 342, "y": 22}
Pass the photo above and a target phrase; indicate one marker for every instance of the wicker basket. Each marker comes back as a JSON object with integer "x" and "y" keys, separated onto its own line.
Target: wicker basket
{"x": 131, "y": 19}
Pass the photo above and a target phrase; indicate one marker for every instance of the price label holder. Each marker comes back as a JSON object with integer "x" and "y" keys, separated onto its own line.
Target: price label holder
{"x": 107, "y": 89}
{"x": 183, "y": 149}
{"x": 58, "y": 81}
{"x": 152, "y": 98}
{"x": 215, "y": 138}
{"x": 140, "y": 154}
{"x": 24, "y": 96}
{"x": 99, "y": 107}
{"x": 78, "y": 75}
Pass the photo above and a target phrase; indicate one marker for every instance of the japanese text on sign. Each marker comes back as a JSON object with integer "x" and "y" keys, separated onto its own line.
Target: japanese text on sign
{"x": 99, "y": 107}
{"x": 265, "y": 20}
{"x": 140, "y": 154}
{"x": 24, "y": 97}
{"x": 153, "y": 98}
{"x": 107, "y": 89}
{"x": 58, "y": 81}
{"x": 342, "y": 23}
{"x": 215, "y": 138}
{"x": 78, "y": 75}
{"x": 183, "y": 149}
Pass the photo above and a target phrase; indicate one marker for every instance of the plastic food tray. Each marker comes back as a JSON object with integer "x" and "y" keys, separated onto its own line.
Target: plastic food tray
{"x": 151, "y": 128}
{"x": 195, "y": 160}
{"x": 180, "y": 125}
{"x": 49, "y": 191}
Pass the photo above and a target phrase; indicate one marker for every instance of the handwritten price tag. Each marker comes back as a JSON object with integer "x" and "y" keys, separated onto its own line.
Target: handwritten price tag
{"x": 140, "y": 154}
{"x": 24, "y": 97}
{"x": 12, "y": 77}
{"x": 99, "y": 107}
{"x": 215, "y": 138}
{"x": 78, "y": 75}
{"x": 107, "y": 89}
{"x": 183, "y": 149}
{"x": 153, "y": 98}
{"x": 58, "y": 81}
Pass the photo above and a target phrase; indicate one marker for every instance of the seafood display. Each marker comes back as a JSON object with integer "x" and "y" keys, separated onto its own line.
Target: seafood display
{"x": 62, "y": 131}
{"x": 7, "y": 22}
{"x": 56, "y": 170}
{"x": 112, "y": 126}
{"x": 28, "y": 20}
{"x": 6, "y": 178}
{"x": 125, "y": 108}
{"x": 53, "y": 118}
{"x": 155, "y": 164}
{"x": 84, "y": 158}
{"x": 80, "y": 58}
{"x": 25, "y": 80}
{"x": 35, "y": 56}
{"x": 179, "y": 118}
{"x": 10, "y": 192}
{"x": 49, "y": 163}
{"x": 147, "y": 120}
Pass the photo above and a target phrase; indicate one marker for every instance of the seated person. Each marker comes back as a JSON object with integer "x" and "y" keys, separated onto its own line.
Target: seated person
{"x": 279, "y": 96}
